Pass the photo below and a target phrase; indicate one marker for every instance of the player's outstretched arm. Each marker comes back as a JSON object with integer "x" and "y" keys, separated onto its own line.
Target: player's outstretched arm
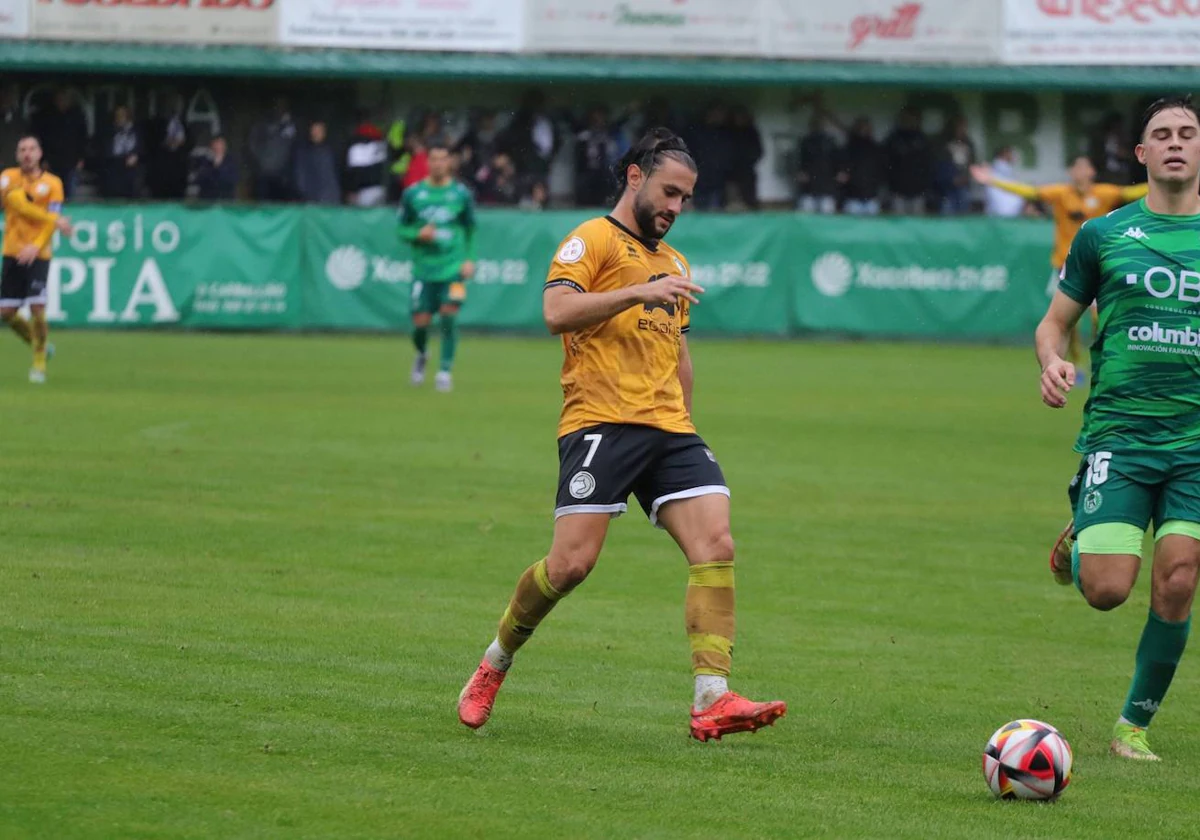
{"x": 16, "y": 201}
{"x": 566, "y": 309}
{"x": 983, "y": 174}
{"x": 1058, "y": 375}
{"x": 1133, "y": 193}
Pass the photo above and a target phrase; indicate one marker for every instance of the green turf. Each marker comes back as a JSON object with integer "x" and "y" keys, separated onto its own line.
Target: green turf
{"x": 242, "y": 580}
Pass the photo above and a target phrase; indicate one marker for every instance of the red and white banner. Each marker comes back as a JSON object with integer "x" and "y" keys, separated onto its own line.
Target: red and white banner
{"x": 471, "y": 25}
{"x": 909, "y": 30}
{"x": 1101, "y": 32}
{"x": 182, "y": 21}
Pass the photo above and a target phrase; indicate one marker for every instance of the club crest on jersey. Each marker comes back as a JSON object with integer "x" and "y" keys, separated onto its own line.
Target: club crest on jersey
{"x": 669, "y": 308}
{"x": 582, "y": 485}
{"x": 1092, "y": 501}
{"x": 42, "y": 189}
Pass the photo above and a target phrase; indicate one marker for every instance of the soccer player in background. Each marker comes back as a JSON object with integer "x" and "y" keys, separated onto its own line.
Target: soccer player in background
{"x": 1071, "y": 204}
{"x": 1140, "y": 438}
{"x": 33, "y": 200}
{"x": 620, "y": 297}
{"x": 437, "y": 215}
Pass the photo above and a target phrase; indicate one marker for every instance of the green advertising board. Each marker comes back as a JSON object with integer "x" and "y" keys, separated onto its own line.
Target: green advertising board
{"x": 771, "y": 274}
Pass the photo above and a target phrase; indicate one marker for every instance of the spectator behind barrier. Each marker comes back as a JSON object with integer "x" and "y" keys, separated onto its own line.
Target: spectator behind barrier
{"x": 217, "y": 176}
{"x": 316, "y": 168}
{"x": 861, "y": 170}
{"x": 955, "y": 157}
{"x": 168, "y": 149}
{"x": 366, "y": 164}
{"x": 748, "y": 151}
{"x": 120, "y": 157}
{"x": 1002, "y": 203}
{"x": 712, "y": 149}
{"x": 908, "y": 164}
{"x": 12, "y": 125}
{"x": 817, "y": 168}
{"x": 596, "y": 151}
{"x": 63, "y": 133}
{"x": 271, "y": 146}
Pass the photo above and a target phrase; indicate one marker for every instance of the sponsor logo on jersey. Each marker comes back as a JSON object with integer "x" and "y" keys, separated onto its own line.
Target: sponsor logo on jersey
{"x": 669, "y": 308}
{"x": 1156, "y": 334}
{"x": 1162, "y": 282}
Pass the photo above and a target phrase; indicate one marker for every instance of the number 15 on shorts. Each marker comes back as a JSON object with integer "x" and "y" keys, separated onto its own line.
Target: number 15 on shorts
{"x": 1097, "y": 472}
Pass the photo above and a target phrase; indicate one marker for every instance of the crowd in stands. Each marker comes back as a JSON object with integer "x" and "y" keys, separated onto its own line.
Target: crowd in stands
{"x": 910, "y": 172}
{"x": 506, "y": 157}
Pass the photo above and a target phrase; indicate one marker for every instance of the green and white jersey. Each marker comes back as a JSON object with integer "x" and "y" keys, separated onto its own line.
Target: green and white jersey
{"x": 451, "y": 210}
{"x": 1143, "y": 271}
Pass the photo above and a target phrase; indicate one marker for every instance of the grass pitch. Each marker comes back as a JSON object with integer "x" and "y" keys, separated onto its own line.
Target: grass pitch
{"x": 243, "y": 578}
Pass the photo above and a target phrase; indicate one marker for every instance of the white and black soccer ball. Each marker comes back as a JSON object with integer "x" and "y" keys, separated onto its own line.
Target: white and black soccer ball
{"x": 1027, "y": 759}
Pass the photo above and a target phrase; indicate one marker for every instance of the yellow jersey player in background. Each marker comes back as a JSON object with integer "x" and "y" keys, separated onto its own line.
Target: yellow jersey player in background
{"x": 620, "y": 297}
{"x": 32, "y": 199}
{"x": 1071, "y": 204}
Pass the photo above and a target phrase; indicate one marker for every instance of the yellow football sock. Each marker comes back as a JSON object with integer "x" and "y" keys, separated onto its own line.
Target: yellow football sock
{"x": 40, "y": 332}
{"x": 531, "y": 602}
{"x": 709, "y": 612}
{"x": 21, "y": 327}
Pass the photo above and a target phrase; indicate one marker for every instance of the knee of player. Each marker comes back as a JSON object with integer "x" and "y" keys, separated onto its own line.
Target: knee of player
{"x": 718, "y": 548}
{"x": 1178, "y": 580}
{"x": 570, "y": 567}
{"x": 1105, "y": 594}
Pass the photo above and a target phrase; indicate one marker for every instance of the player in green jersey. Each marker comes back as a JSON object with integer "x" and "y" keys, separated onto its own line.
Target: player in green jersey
{"x": 1140, "y": 439}
{"x": 437, "y": 216}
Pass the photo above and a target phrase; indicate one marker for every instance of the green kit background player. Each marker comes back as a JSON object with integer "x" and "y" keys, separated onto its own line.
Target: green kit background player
{"x": 1140, "y": 439}
{"x": 437, "y": 216}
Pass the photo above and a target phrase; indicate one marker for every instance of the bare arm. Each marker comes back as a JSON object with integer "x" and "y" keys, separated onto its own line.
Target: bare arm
{"x": 1050, "y": 340}
{"x": 566, "y": 309}
{"x": 686, "y": 374}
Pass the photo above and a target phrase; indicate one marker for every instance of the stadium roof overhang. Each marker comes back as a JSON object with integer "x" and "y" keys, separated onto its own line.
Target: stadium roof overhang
{"x": 173, "y": 59}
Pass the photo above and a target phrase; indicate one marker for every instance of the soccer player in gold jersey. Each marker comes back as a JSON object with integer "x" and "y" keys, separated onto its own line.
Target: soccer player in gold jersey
{"x": 620, "y": 298}
{"x": 1071, "y": 204}
{"x": 32, "y": 200}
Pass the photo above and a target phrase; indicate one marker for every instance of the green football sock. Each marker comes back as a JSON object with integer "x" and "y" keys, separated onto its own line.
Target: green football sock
{"x": 1158, "y": 655}
{"x": 449, "y": 341}
{"x": 420, "y": 338}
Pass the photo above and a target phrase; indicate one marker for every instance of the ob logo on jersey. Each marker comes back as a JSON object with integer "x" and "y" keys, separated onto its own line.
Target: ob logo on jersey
{"x": 669, "y": 308}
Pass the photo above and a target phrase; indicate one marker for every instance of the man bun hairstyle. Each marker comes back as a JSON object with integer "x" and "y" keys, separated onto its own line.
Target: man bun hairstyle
{"x": 648, "y": 153}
